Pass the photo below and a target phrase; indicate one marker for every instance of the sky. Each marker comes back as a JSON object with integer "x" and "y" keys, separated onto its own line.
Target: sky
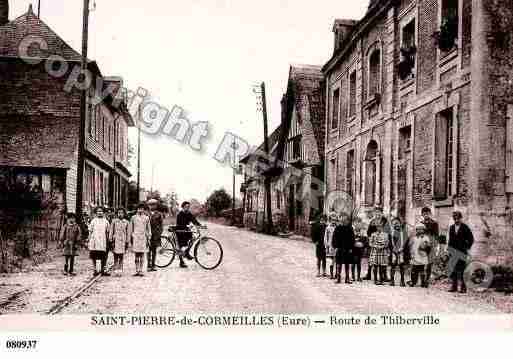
{"x": 205, "y": 56}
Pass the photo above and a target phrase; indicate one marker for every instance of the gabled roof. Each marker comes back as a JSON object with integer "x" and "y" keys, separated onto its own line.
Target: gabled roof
{"x": 28, "y": 24}
{"x": 304, "y": 88}
{"x": 304, "y": 91}
{"x": 274, "y": 137}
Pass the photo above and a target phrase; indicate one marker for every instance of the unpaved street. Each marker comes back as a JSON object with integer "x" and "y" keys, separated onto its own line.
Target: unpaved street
{"x": 260, "y": 274}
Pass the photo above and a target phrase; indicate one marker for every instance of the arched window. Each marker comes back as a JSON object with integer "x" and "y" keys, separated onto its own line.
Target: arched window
{"x": 371, "y": 166}
{"x": 374, "y": 73}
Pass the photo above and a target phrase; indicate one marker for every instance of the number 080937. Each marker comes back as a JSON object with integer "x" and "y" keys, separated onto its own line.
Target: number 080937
{"x": 20, "y": 344}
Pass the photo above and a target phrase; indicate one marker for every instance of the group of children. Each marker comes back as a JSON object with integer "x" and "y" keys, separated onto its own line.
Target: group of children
{"x": 389, "y": 246}
{"x": 142, "y": 232}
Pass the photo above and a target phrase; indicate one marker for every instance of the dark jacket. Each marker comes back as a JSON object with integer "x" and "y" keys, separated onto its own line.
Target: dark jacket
{"x": 461, "y": 241}
{"x": 156, "y": 223}
{"x": 183, "y": 219}
{"x": 432, "y": 228}
{"x": 317, "y": 233}
{"x": 343, "y": 238}
{"x": 70, "y": 238}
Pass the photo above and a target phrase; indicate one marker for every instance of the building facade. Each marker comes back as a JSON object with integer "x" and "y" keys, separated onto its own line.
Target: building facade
{"x": 418, "y": 111}
{"x": 297, "y": 157}
{"x": 40, "y": 116}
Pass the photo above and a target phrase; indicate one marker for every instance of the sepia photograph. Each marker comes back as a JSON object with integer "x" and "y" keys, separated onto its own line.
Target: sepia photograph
{"x": 214, "y": 164}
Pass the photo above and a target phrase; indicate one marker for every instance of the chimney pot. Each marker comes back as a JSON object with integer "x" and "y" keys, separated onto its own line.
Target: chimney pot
{"x": 4, "y": 12}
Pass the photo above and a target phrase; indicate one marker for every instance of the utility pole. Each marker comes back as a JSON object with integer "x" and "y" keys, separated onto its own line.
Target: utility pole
{"x": 152, "y": 176}
{"x": 81, "y": 132}
{"x": 139, "y": 155}
{"x": 39, "y": 9}
{"x": 267, "y": 179}
{"x": 233, "y": 194}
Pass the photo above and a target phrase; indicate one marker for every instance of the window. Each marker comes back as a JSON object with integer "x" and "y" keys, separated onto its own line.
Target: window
{"x": 371, "y": 162}
{"x": 409, "y": 35}
{"x": 278, "y": 199}
{"x": 110, "y": 139}
{"x": 91, "y": 116}
{"x": 296, "y": 147}
{"x": 444, "y": 158}
{"x": 449, "y": 25}
{"x": 100, "y": 189}
{"x": 336, "y": 109}
{"x": 97, "y": 117}
{"x": 105, "y": 190}
{"x": 408, "y": 52}
{"x": 121, "y": 142}
{"x": 349, "y": 172}
{"x": 404, "y": 141}
{"x": 352, "y": 94}
{"x": 333, "y": 171}
{"x": 104, "y": 133}
{"x": 374, "y": 73}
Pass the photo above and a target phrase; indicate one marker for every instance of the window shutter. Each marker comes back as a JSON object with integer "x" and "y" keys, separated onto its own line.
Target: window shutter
{"x": 370, "y": 182}
{"x": 440, "y": 168}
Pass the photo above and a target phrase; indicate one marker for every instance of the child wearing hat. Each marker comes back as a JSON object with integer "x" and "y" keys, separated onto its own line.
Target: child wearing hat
{"x": 420, "y": 249}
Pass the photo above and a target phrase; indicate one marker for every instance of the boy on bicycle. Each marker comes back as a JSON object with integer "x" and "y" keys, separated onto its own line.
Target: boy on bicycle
{"x": 183, "y": 219}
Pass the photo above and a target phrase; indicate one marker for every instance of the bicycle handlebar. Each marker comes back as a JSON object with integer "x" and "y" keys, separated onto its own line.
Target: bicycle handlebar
{"x": 170, "y": 229}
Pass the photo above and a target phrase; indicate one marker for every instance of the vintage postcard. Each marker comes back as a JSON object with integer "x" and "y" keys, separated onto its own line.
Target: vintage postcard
{"x": 273, "y": 165}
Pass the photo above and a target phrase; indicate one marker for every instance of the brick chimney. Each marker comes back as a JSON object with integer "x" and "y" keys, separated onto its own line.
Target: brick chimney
{"x": 4, "y": 12}
{"x": 342, "y": 29}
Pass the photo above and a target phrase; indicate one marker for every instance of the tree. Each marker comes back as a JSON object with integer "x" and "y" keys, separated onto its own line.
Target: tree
{"x": 218, "y": 201}
{"x": 19, "y": 202}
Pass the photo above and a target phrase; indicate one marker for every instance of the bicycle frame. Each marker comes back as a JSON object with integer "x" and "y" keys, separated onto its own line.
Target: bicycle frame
{"x": 173, "y": 239}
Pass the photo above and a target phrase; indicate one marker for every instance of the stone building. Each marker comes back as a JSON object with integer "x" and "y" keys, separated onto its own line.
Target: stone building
{"x": 296, "y": 148}
{"x": 418, "y": 113}
{"x": 40, "y": 116}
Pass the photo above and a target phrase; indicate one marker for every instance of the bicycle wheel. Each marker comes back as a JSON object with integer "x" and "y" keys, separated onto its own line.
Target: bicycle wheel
{"x": 165, "y": 253}
{"x": 208, "y": 253}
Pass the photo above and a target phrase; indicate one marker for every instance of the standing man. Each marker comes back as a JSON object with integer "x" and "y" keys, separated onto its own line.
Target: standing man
{"x": 183, "y": 219}
{"x": 432, "y": 231}
{"x": 156, "y": 223}
{"x": 461, "y": 240}
{"x": 317, "y": 233}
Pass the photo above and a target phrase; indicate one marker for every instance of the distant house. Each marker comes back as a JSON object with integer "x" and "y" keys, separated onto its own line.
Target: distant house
{"x": 39, "y": 121}
{"x": 296, "y": 167}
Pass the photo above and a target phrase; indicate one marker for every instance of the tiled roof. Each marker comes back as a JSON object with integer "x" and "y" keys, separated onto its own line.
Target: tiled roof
{"x": 12, "y": 34}
{"x": 306, "y": 82}
{"x": 274, "y": 137}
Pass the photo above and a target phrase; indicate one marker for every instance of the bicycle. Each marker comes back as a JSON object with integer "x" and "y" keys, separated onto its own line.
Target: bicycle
{"x": 207, "y": 251}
